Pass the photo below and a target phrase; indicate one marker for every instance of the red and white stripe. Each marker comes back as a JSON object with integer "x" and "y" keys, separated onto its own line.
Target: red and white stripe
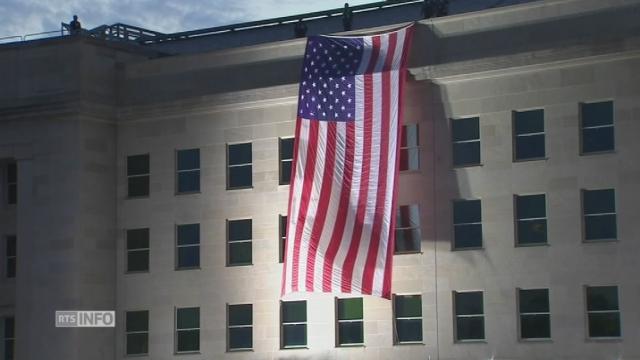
{"x": 342, "y": 196}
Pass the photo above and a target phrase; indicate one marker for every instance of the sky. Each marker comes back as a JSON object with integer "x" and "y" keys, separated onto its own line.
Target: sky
{"x": 21, "y": 17}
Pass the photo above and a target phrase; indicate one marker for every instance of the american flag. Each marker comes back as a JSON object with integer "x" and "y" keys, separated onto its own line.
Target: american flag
{"x": 340, "y": 233}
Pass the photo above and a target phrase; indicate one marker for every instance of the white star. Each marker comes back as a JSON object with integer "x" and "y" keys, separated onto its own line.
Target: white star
{"x": 349, "y": 100}
{"x": 324, "y": 85}
{"x": 306, "y": 69}
{"x": 313, "y": 84}
{"x": 337, "y": 86}
{"x": 314, "y": 49}
{"x": 330, "y": 92}
{"x": 342, "y": 107}
{"x": 349, "y": 86}
{"x": 336, "y": 115}
{"x": 302, "y": 97}
{"x": 330, "y": 107}
{"x": 348, "y": 114}
{"x": 337, "y": 100}
{"x": 343, "y": 93}
{"x": 319, "y": 92}
{"x": 304, "y": 82}
{"x": 324, "y": 99}
{"x": 313, "y": 98}
{"x": 319, "y": 106}
{"x": 324, "y": 113}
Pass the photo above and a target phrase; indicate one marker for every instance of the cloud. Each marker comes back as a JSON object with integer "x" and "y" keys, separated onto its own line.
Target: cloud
{"x": 20, "y": 17}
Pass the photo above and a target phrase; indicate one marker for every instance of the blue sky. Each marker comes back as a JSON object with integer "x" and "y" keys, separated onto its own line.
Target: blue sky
{"x": 20, "y": 17}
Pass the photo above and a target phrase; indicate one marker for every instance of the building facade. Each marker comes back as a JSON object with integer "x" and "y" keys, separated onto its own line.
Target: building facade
{"x": 156, "y": 186}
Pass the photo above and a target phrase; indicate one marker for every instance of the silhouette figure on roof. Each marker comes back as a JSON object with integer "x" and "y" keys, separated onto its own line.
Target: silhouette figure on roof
{"x": 75, "y": 26}
{"x": 347, "y": 17}
{"x": 300, "y": 29}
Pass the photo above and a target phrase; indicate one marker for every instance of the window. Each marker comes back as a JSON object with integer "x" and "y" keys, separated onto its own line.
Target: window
{"x": 137, "y": 329}
{"x": 469, "y": 316}
{"x": 599, "y": 207}
{"x": 408, "y": 236}
{"x": 188, "y": 171}
{"x": 409, "y": 148}
{"x": 597, "y": 127}
{"x": 535, "y": 317}
{"x": 283, "y": 236}
{"x": 188, "y": 246}
{"x": 350, "y": 322}
{"x": 188, "y": 329}
{"x": 466, "y": 141}
{"x": 9, "y": 338}
{"x": 286, "y": 159}
{"x": 531, "y": 220}
{"x": 138, "y": 175}
{"x": 239, "y": 242}
{"x": 293, "y": 330}
{"x": 137, "y": 250}
{"x": 528, "y": 133}
{"x": 11, "y": 253}
{"x": 239, "y": 166}
{"x": 467, "y": 224}
{"x": 12, "y": 183}
{"x": 240, "y": 327}
{"x": 603, "y": 312}
{"x": 407, "y": 310}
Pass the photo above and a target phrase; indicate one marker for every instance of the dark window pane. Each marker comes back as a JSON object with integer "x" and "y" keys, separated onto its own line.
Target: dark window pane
{"x": 11, "y": 246}
{"x": 527, "y": 122}
{"x": 599, "y": 201}
{"x": 470, "y": 328}
{"x": 532, "y": 232}
{"x": 408, "y": 216}
{"x": 241, "y": 338}
{"x": 12, "y": 195}
{"x": 534, "y": 301}
{"x": 604, "y": 325}
{"x": 188, "y": 318}
{"x": 350, "y": 309}
{"x": 9, "y": 327}
{"x": 465, "y": 129}
{"x": 240, "y": 177}
{"x": 467, "y": 236}
{"x": 189, "y": 159}
{"x": 188, "y": 257}
{"x": 602, "y": 298}
{"x": 597, "y": 114}
{"x": 409, "y": 330}
{"x": 600, "y": 227}
{"x": 285, "y": 173}
{"x": 286, "y": 149}
{"x": 597, "y": 139}
{"x": 531, "y": 206}
{"x": 137, "y": 344}
{"x": 283, "y": 234}
{"x": 294, "y": 311}
{"x": 408, "y": 306}
{"x": 409, "y": 136}
{"x": 407, "y": 240}
{"x": 137, "y": 321}
{"x": 188, "y": 181}
{"x": 188, "y": 234}
{"x": 11, "y": 267}
{"x": 294, "y": 335}
{"x": 240, "y": 314}
{"x": 409, "y": 159}
{"x": 240, "y": 253}
{"x": 466, "y": 153}
{"x": 240, "y": 229}
{"x": 467, "y": 211}
{"x": 138, "y": 165}
{"x": 138, "y": 260}
{"x": 9, "y": 349}
{"x": 12, "y": 173}
{"x": 535, "y": 326}
{"x": 530, "y": 147}
{"x": 350, "y": 333}
{"x": 240, "y": 154}
{"x": 138, "y": 186}
{"x": 469, "y": 303}
{"x": 189, "y": 340}
{"x": 137, "y": 239}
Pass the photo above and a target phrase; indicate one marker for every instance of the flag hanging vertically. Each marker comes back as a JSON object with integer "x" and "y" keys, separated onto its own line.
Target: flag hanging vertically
{"x": 341, "y": 216}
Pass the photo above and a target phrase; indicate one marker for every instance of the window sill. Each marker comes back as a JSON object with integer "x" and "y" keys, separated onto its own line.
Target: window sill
{"x": 417, "y": 252}
{"x": 347, "y": 346}
{"x": 471, "y": 341}
{"x": 301, "y": 347}
{"x": 187, "y": 268}
{"x": 536, "y": 340}
{"x": 603, "y": 152}
{"x": 239, "y": 265}
{"x": 464, "y": 166}
{"x": 188, "y": 193}
{"x": 240, "y": 188}
{"x": 468, "y": 248}
{"x": 532, "y": 245}
{"x": 136, "y": 272}
{"x": 604, "y": 339}
{"x": 239, "y": 350}
{"x": 600, "y": 241}
{"x": 197, "y": 352}
{"x": 409, "y": 343}
{"x": 544, "y": 158}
